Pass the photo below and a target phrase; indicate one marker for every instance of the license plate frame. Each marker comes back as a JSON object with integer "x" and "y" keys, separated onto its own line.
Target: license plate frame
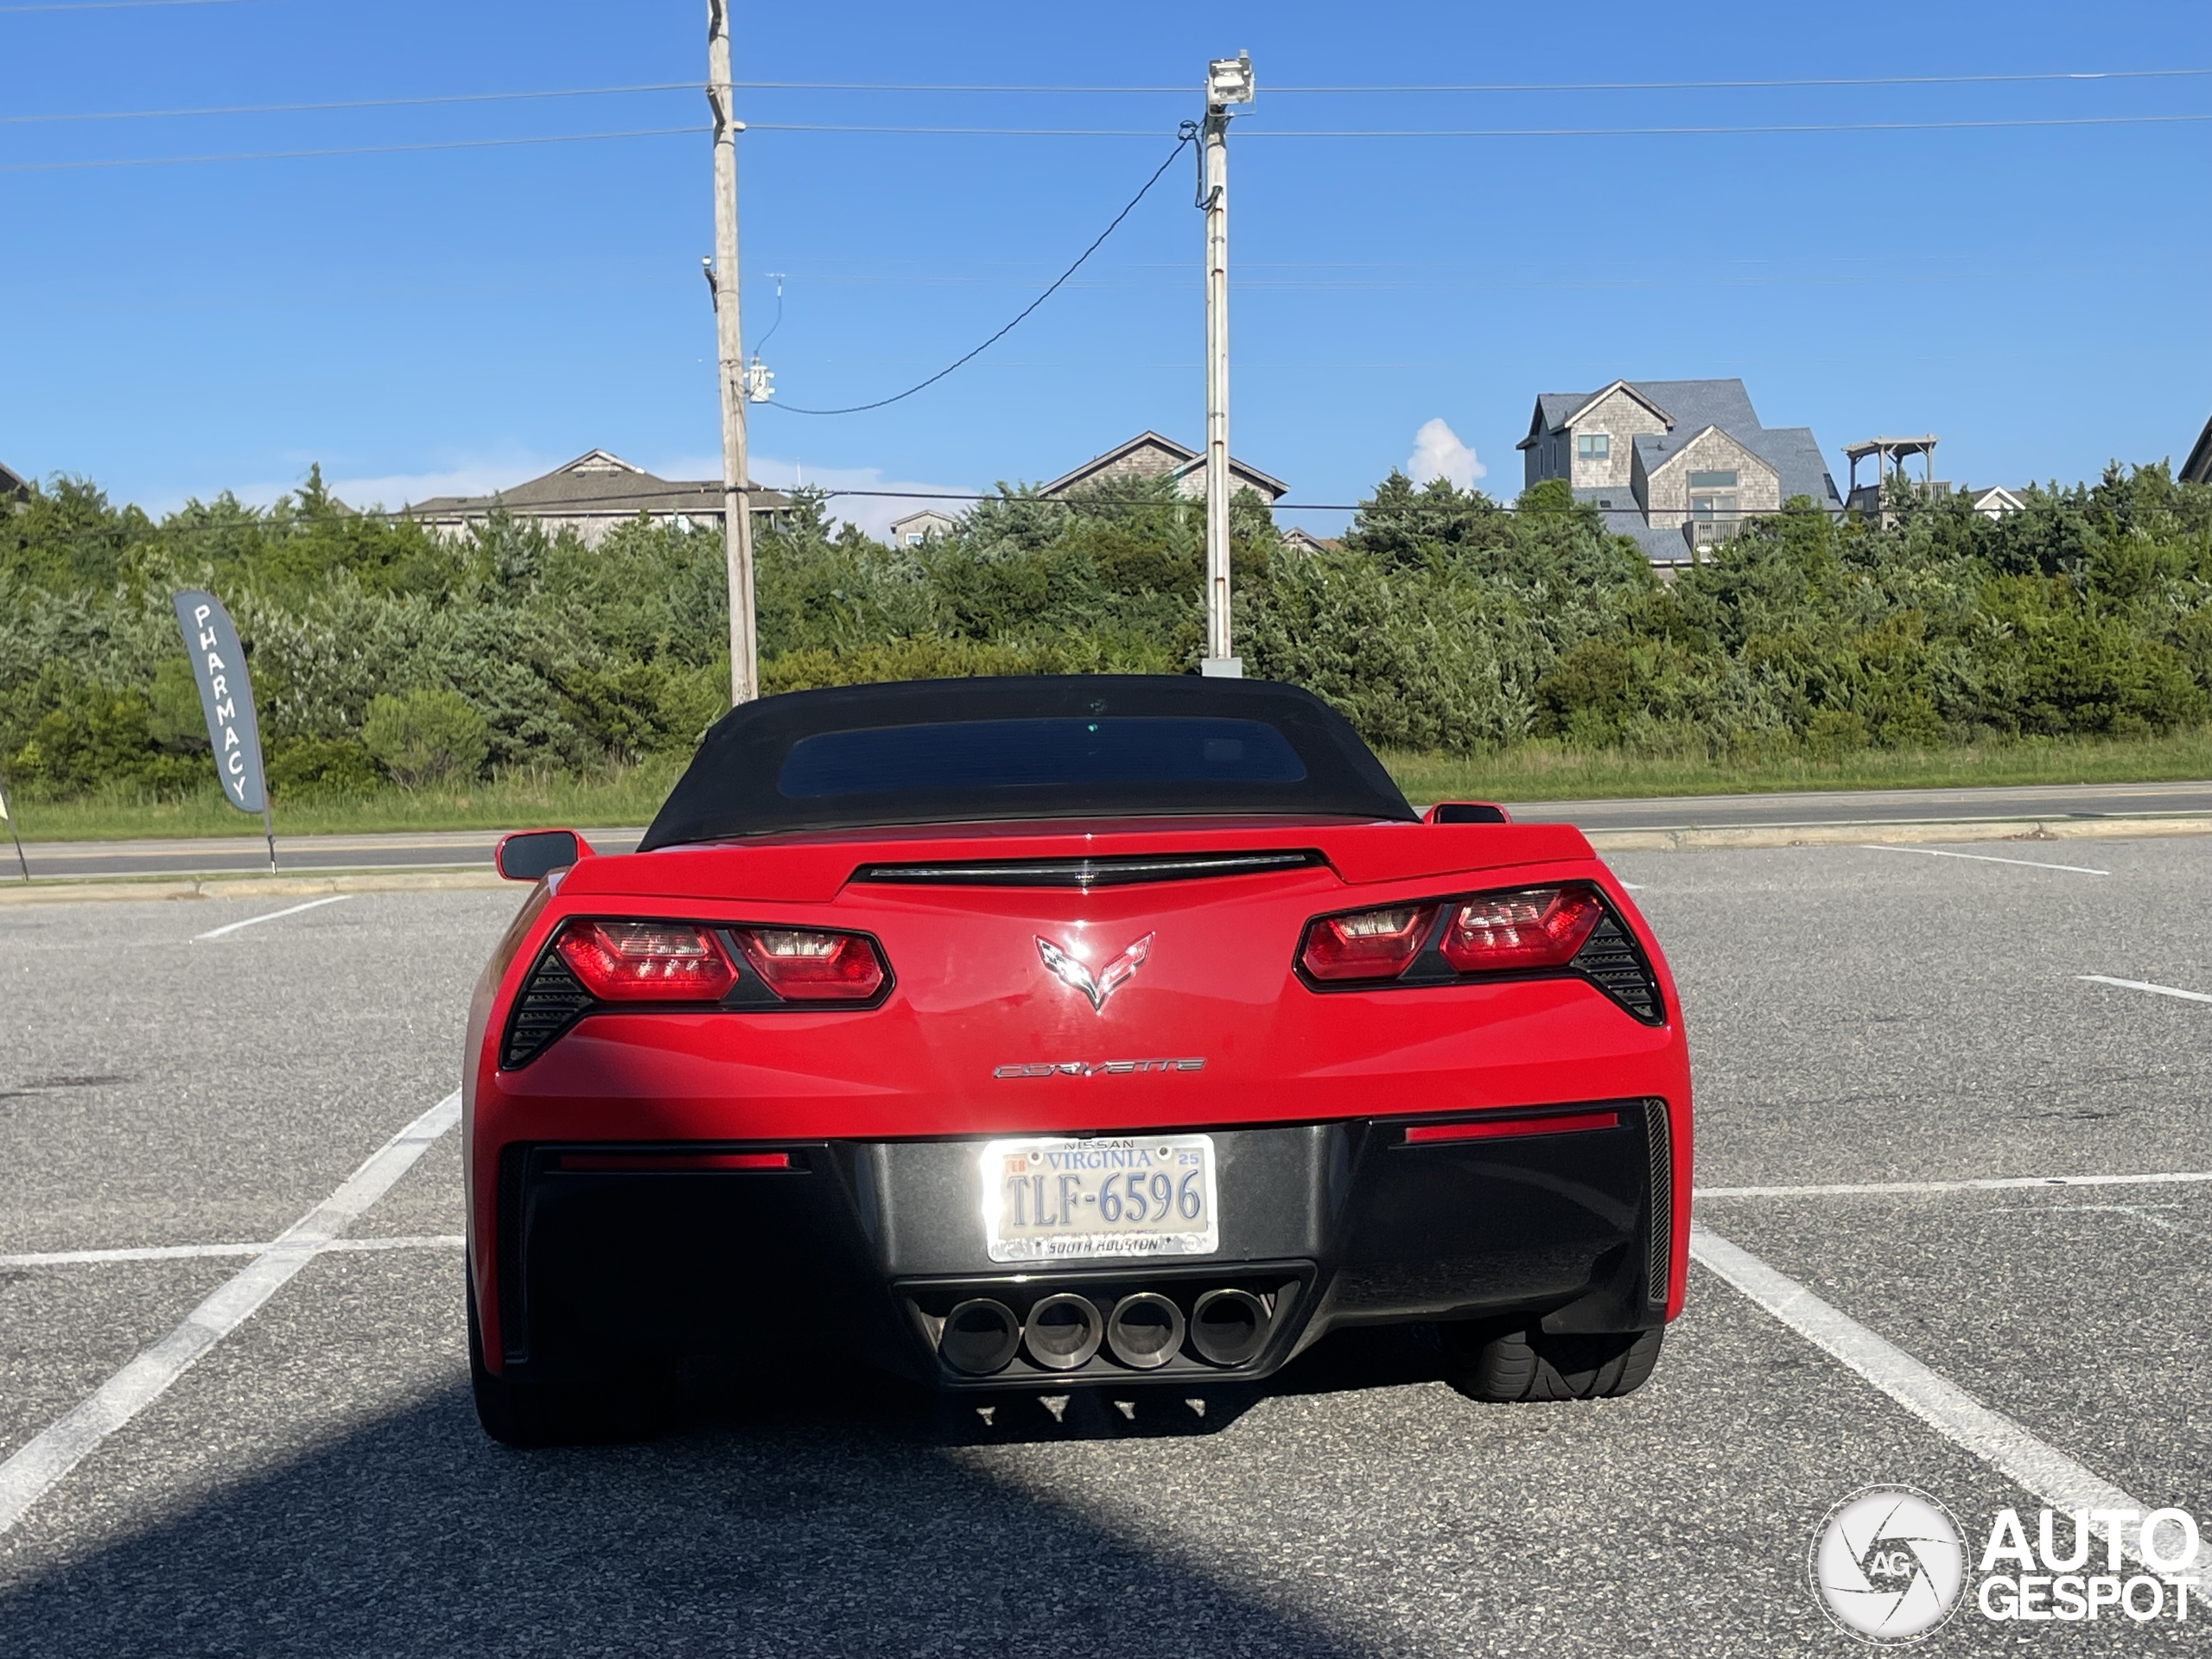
{"x": 1013, "y": 1200}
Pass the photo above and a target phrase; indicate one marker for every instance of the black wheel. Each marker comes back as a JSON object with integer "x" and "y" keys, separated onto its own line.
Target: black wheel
{"x": 514, "y": 1414}
{"x": 1508, "y": 1366}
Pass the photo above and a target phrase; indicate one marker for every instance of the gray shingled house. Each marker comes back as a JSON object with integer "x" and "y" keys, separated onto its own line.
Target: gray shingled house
{"x": 591, "y": 495}
{"x": 1678, "y": 465}
{"x": 2197, "y": 469}
{"x": 1149, "y": 455}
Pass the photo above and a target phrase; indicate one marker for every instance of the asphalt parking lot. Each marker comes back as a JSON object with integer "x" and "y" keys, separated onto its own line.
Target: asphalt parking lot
{"x": 1902, "y": 1023}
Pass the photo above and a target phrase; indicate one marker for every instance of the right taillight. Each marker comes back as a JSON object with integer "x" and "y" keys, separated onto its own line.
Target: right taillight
{"x": 1566, "y": 930}
{"x": 1368, "y": 944}
{"x": 1539, "y": 927}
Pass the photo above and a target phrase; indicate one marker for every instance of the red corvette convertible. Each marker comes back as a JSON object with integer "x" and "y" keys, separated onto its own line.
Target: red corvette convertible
{"x": 1024, "y": 1034}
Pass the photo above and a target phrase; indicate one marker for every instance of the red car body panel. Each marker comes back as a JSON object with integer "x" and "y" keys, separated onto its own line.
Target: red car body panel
{"x": 970, "y": 1001}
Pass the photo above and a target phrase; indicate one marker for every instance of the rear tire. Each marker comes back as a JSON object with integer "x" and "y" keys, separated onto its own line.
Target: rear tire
{"x": 1510, "y": 1367}
{"x": 520, "y": 1414}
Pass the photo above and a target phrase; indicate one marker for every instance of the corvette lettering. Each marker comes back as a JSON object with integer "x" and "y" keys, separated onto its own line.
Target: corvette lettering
{"x": 1094, "y": 1067}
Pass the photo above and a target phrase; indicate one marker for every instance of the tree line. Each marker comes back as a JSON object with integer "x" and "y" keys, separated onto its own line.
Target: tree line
{"x": 386, "y": 656}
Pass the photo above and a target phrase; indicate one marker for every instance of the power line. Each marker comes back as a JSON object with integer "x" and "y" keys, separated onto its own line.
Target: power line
{"x": 1188, "y": 134}
{"x": 359, "y": 150}
{"x": 1763, "y": 127}
{"x": 1499, "y": 86}
{"x": 1257, "y": 131}
{"x": 1123, "y": 132}
{"x": 1726, "y": 85}
{"x": 432, "y": 99}
{"x": 347, "y": 104}
{"x": 117, "y": 5}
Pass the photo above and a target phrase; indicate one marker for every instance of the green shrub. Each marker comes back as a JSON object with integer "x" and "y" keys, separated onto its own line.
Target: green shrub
{"x": 321, "y": 768}
{"x": 426, "y": 738}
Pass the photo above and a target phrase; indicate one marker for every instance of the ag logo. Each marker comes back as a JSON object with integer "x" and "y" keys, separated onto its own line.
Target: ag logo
{"x": 1888, "y": 1564}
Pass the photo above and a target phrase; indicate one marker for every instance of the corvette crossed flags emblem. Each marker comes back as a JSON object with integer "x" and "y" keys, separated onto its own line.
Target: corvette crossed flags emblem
{"x": 1108, "y": 979}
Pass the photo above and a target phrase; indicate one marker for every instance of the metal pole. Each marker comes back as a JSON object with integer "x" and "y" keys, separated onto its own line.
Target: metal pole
{"x": 737, "y": 505}
{"x": 20, "y": 863}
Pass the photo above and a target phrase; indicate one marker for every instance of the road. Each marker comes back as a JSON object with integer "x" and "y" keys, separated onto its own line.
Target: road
{"x": 1859, "y": 1018}
{"x": 463, "y": 848}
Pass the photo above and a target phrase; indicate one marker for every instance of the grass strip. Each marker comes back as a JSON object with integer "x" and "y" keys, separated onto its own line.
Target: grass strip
{"x": 1535, "y": 770}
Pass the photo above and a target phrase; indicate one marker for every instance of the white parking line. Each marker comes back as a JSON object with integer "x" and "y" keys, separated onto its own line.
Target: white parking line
{"x": 44, "y": 1459}
{"x": 1983, "y": 858}
{"x": 252, "y": 921}
{"x": 2042, "y": 1470}
{"x": 2145, "y": 985}
{"x": 193, "y": 1252}
{"x": 1994, "y": 1184}
{"x": 2145, "y": 1214}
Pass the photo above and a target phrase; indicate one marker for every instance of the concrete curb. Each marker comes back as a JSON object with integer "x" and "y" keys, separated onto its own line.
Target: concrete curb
{"x": 1694, "y": 840}
{"x": 280, "y": 886}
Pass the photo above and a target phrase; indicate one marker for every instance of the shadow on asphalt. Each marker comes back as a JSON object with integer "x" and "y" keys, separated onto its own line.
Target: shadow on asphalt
{"x": 855, "y": 1521}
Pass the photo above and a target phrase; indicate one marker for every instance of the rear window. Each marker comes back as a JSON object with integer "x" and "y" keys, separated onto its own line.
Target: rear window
{"x": 1086, "y": 745}
{"x": 995, "y": 755}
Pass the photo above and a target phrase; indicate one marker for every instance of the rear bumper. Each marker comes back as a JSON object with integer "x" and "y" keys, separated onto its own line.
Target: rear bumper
{"x": 861, "y": 1247}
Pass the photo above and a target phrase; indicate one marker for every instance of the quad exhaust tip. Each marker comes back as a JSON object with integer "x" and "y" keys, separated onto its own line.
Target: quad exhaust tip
{"x": 1144, "y": 1331}
{"x": 1229, "y": 1327}
{"x": 980, "y": 1337}
{"x": 1064, "y": 1331}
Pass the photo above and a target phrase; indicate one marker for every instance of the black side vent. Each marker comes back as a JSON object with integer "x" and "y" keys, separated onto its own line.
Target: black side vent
{"x": 1086, "y": 872}
{"x": 1659, "y": 1242}
{"x": 550, "y": 1002}
{"x": 1613, "y": 963}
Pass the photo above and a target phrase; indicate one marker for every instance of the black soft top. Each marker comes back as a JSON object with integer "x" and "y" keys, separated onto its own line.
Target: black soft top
{"x": 1043, "y": 746}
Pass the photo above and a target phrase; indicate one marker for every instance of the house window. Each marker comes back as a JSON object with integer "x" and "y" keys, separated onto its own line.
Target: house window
{"x": 913, "y": 538}
{"x": 1712, "y": 481}
{"x": 1592, "y": 446}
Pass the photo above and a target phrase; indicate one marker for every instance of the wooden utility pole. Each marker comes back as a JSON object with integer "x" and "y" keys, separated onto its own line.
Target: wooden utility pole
{"x": 729, "y": 355}
{"x": 1228, "y": 80}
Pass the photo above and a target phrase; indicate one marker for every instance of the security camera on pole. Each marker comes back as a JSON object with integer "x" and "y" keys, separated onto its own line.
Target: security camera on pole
{"x": 1228, "y": 80}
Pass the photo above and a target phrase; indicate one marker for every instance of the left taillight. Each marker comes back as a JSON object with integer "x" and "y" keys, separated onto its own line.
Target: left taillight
{"x": 646, "y": 962}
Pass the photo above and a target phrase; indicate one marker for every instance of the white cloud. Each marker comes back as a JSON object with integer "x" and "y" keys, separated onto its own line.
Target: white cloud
{"x": 1438, "y": 452}
{"x": 873, "y": 512}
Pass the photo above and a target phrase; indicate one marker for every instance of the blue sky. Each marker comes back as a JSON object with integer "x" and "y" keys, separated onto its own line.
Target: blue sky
{"x": 460, "y": 318}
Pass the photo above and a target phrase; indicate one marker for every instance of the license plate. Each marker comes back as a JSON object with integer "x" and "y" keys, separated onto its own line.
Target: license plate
{"x": 1050, "y": 1198}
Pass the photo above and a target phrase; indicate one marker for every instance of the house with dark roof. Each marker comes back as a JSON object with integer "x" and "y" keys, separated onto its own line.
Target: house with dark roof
{"x": 1149, "y": 455}
{"x": 1676, "y": 465}
{"x": 13, "y": 485}
{"x": 592, "y": 495}
{"x": 2197, "y": 469}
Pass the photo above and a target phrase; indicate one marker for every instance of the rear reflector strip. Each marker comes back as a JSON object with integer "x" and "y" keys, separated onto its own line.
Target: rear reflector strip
{"x": 1659, "y": 1236}
{"x": 1086, "y": 872}
{"x": 628, "y": 1161}
{"x": 1491, "y": 1128}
